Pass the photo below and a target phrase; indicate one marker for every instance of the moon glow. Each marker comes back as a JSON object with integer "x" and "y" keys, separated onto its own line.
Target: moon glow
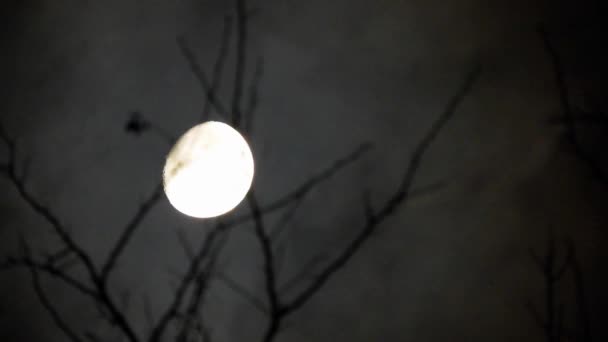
{"x": 209, "y": 170}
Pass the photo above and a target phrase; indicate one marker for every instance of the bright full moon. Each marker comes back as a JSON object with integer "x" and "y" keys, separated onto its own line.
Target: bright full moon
{"x": 209, "y": 170}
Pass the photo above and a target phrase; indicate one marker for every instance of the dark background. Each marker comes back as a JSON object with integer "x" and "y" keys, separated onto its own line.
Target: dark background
{"x": 454, "y": 265}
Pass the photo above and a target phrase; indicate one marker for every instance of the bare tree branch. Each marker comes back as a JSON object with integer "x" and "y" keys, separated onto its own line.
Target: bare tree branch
{"x": 46, "y": 303}
{"x": 60, "y": 255}
{"x": 535, "y": 315}
{"x": 198, "y": 72}
{"x": 103, "y": 296}
{"x": 388, "y": 208}
{"x": 117, "y": 317}
{"x": 91, "y": 336}
{"x": 569, "y": 116}
{"x": 280, "y": 226}
{"x": 243, "y": 292}
{"x": 201, "y": 282}
{"x": 307, "y": 186}
{"x": 220, "y": 61}
{"x": 552, "y": 272}
{"x": 49, "y": 269}
{"x": 41, "y": 210}
{"x": 172, "y": 311}
{"x": 301, "y": 191}
{"x": 241, "y": 61}
{"x": 581, "y": 300}
{"x": 253, "y": 96}
{"x": 128, "y": 231}
{"x": 186, "y": 247}
{"x": 274, "y": 306}
{"x": 305, "y": 271}
{"x": 191, "y": 288}
{"x": 148, "y": 314}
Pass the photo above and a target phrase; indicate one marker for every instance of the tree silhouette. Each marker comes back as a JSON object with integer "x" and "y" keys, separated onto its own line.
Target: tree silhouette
{"x": 181, "y": 320}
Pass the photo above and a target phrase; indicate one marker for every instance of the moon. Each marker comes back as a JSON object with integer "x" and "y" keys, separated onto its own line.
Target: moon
{"x": 209, "y": 170}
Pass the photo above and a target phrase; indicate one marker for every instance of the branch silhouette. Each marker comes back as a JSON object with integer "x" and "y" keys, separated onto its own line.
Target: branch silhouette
{"x": 374, "y": 219}
{"x": 46, "y": 302}
{"x": 569, "y": 116}
{"x": 102, "y": 296}
{"x": 184, "y": 311}
{"x": 551, "y": 319}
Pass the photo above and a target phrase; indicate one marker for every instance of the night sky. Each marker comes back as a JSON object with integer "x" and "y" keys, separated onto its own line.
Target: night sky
{"x": 507, "y": 174}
